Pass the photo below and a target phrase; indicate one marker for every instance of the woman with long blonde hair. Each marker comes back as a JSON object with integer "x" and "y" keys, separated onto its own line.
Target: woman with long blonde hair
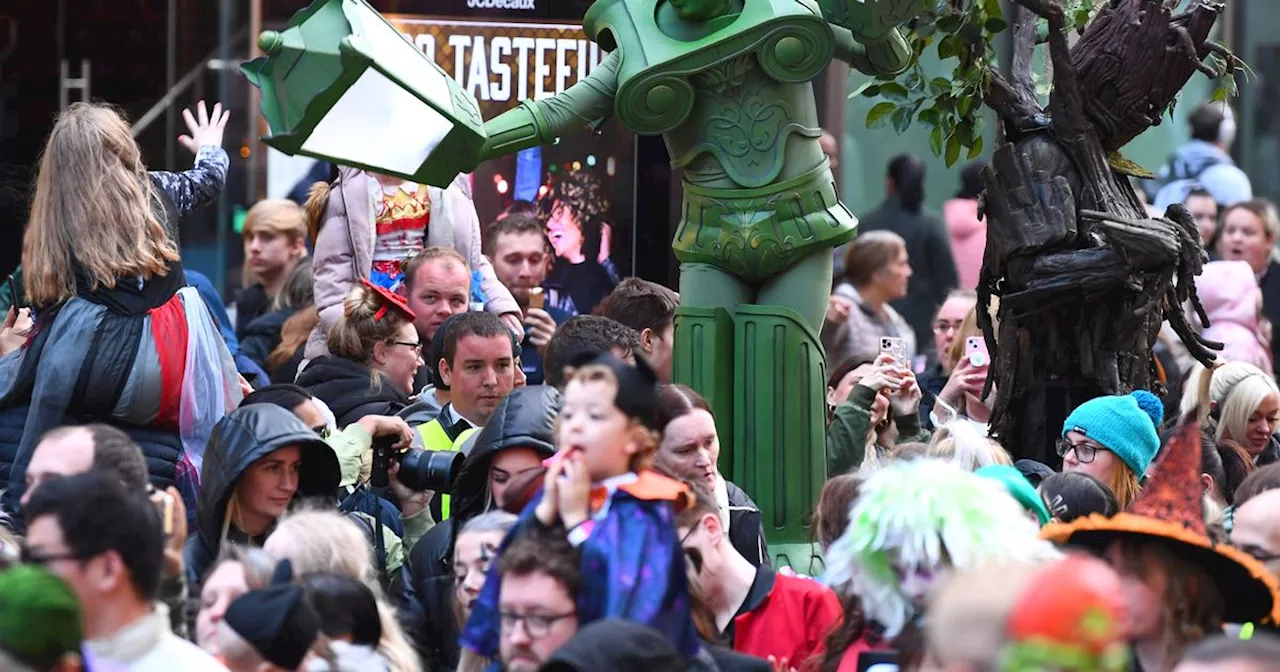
{"x": 1237, "y": 401}
{"x": 118, "y": 336}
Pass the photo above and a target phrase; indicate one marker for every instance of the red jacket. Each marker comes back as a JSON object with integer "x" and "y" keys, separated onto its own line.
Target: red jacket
{"x": 785, "y": 616}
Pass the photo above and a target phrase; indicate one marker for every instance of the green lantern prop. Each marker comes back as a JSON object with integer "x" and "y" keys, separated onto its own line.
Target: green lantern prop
{"x": 341, "y": 84}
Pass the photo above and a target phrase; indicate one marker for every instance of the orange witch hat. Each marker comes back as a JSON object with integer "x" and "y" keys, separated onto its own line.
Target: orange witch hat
{"x": 1170, "y": 510}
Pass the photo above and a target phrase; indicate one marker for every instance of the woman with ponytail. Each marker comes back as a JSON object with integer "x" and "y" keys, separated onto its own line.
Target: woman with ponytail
{"x": 928, "y": 245}
{"x": 376, "y": 354}
{"x": 1237, "y": 402}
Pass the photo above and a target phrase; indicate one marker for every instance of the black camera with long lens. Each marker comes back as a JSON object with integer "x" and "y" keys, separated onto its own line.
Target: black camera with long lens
{"x": 420, "y": 470}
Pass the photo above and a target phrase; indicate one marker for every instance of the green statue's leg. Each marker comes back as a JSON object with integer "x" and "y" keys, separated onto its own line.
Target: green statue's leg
{"x": 781, "y": 448}
{"x": 703, "y": 352}
{"x": 804, "y": 287}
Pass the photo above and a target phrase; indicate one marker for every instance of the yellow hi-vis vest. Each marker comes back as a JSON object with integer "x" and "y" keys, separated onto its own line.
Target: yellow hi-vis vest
{"x": 434, "y": 438}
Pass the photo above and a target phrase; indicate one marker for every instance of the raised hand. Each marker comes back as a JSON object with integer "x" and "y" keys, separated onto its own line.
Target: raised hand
{"x": 205, "y": 129}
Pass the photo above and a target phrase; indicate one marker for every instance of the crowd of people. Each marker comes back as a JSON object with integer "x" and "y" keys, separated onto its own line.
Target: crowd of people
{"x": 415, "y": 442}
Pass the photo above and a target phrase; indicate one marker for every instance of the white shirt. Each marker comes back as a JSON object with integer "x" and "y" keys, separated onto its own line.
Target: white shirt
{"x": 150, "y": 646}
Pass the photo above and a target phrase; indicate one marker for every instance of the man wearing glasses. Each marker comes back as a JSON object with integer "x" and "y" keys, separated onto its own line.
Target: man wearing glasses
{"x": 107, "y": 544}
{"x": 536, "y": 600}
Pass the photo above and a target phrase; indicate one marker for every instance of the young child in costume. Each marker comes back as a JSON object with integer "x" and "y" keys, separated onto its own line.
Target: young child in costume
{"x": 913, "y": 524}
{"x": 617, "y": 512}
{"x": 366, "y": 225}
{"x": 119, "y": 337}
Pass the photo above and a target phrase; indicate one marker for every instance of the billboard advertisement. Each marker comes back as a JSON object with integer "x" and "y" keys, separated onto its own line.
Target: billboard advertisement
{"x": 584, "y": 185}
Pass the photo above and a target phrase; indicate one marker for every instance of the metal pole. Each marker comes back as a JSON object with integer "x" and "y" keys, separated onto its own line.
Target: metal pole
{"x": 170, "y": 76}
{"x": 224, "y": 35}
{"x": 252, "y": 118}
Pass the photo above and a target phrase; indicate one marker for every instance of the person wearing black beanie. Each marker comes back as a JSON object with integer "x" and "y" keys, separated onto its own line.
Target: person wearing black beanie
{"x": 275, "y": 627}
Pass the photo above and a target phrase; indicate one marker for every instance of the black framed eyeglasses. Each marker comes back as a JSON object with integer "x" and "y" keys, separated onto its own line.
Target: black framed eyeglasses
{"x": 1085, "y": 452}
{"x": 417, "y": 347}
{"x": 28, "y": 556}
{"x": 536, "y": 625}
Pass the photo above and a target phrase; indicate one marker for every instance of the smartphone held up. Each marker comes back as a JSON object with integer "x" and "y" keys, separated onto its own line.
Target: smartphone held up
{"x": 975, "y": 347}
{"x": 895, "y": 348}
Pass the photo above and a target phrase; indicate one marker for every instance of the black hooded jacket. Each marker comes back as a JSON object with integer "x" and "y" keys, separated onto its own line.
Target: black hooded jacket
{"x": 243, "y": 437}
{"x": 525, "y": 419}
{"x": 347, "y": 389}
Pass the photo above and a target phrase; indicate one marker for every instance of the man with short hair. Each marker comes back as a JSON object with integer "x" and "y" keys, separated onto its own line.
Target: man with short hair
{"x": 1221, "y": 653}
{"x": 650, "y": 309}
{"x": 518, "y": 246}
{"x": 437, "y": 285}
{"x": 1204, "y": 210}
{"x": 76, "y": 449}
{"x": 478, "y": 365}
{"x": 587, "y": 334}
{"x": 107, "y": 544}
{"x": 537, "y": 599}
{"x": 67, "y": 451}
{"x": 757, "y": 611}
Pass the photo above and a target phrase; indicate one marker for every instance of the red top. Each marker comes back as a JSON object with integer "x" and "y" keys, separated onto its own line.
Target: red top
{"x": 785, "y": 617}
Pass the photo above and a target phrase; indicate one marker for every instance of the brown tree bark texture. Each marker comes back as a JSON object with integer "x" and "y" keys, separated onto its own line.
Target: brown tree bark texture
{"x": 1085, "y": 278}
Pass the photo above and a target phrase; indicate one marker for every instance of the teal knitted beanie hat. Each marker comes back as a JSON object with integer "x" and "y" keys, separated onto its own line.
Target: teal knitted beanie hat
{"x": 1125, "y": 425}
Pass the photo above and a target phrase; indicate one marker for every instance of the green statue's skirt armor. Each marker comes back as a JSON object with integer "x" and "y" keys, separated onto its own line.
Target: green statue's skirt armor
{"x": 756, "y": 234}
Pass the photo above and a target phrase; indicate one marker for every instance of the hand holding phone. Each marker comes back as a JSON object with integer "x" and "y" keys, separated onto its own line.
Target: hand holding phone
{"x": 896, "y": 348}
{"x": 975, "y": 347}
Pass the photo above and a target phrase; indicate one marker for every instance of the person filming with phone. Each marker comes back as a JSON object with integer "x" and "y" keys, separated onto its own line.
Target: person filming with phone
{"x": 877, "y": 271}
{"x": 961, "y": 397}
{"x": 875, "y": 406}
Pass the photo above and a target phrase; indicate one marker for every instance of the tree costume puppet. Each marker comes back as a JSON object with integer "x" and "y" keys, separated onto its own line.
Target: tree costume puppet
{"x": 728, "y": 86}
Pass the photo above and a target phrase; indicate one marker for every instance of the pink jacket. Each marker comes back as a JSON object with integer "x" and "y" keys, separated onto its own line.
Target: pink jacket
{"x": 1230, "y": 294}
{"x": 344, "y": 247}
{"x": 968, "y": 239}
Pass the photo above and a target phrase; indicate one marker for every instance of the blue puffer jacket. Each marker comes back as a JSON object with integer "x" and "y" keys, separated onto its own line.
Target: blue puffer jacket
{"x": 162, "y": 450}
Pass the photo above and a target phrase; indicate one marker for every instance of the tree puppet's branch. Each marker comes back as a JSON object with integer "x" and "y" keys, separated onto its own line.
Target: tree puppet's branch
{"x": 1065, "y": 99}
{"x": 1024, "y": 47}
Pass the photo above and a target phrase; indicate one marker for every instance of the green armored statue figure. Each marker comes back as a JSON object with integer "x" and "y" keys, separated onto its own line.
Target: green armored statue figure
{"x": 728, "y": 84}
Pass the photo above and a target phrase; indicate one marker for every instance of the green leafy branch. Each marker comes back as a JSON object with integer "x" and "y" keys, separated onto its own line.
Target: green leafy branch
{"x": 962, "y": 30}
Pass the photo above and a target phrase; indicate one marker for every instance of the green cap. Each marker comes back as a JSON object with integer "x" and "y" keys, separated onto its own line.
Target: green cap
{"x": 1019, "y": 487}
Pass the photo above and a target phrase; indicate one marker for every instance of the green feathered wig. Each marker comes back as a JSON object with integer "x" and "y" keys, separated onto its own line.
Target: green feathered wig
{"x": 931, "y": 513}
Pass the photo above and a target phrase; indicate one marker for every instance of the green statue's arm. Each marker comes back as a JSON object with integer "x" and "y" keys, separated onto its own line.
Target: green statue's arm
{"x": 541, "y": 122}
{"x": 886, "y": 58}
